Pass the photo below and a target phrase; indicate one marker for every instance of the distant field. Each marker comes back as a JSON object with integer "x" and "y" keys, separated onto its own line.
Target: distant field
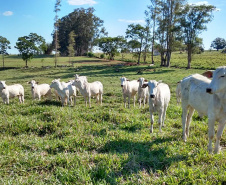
{"x": 44, "y": 143}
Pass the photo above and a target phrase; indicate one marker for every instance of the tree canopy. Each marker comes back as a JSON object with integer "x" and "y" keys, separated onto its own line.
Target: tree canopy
{"x": 218, "y": 43}
{"x": 193, "y": 20}
{"x": 4, "y": 45}
{"x": 30, "y": 45}
{"x": 111, "y": 45}
{"x": 85, "y": 25}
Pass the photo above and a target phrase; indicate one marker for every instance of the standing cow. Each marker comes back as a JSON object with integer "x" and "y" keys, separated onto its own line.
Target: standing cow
{"x": 158, "y": 101}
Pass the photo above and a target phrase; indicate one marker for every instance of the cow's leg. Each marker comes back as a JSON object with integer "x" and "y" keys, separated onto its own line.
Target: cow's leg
{"x": 220, "y": 130}
{"x": 124, "y": 100}
{"x": 211, "y": 122}
{"x": 189, "y": 117}
{"x": 184, "y": 120}
{"x": 164, "y": 116}
{"x": 129, "y": 101}
{"x": 160, "y": 118}
{"x": 152, "y": 120}
{"x": 134, "y": 99}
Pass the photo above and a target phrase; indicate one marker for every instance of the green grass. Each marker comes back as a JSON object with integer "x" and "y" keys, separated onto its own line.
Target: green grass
{"x": 44, "y": 143}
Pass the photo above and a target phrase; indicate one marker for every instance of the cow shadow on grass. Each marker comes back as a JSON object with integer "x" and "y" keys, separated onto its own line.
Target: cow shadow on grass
{"x": 142, "y": 156}
{"x": 117, "y": 71}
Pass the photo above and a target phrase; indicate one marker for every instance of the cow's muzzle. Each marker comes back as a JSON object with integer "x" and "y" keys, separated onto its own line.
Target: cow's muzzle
{"x": 32, "y": 87}
{"x": 121, "y": 85}
{"x": 152, "y": 96}
{"x": 209, "y": 90}
{"x": 3, "y": 87}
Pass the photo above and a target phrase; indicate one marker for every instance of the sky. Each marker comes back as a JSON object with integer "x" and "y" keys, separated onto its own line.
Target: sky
{"x": 19, "y": 18}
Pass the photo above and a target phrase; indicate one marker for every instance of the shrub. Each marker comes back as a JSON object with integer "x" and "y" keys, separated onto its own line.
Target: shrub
{"x": 102, "y": 56}
{"x": 90, "y": 54}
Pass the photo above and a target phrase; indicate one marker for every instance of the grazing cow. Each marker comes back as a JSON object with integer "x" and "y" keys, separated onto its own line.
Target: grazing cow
{"x": 90, "y": 89}
{"x": 40, "y": 90}
{"x": 158, "y": 101}
{"x": 129, "y": 89}
{"x": 217, "y": 106}
{"x": 143, "y": 93}
{"x": 11, "y": 91}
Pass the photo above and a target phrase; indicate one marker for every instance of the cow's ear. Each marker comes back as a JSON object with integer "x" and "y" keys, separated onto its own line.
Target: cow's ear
{"x": 145, "y": 80}
{"x": 208, "y": 74}
{"x": 28, "y": 82}
{"x": 160, "y": 81}
{"x": 37, "y": 82}
{"x": 127, "y": 80}
{"x": 179, "y": 82}
{"x": 144, "y": 85}
{"x": 138, "y": 80}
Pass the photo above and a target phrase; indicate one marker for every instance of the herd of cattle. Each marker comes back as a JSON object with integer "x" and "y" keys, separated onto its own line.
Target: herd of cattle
{"x": 196, "y": 92}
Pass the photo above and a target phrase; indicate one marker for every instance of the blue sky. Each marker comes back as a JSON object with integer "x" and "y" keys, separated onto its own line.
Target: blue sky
{"x": 21, "y": 17}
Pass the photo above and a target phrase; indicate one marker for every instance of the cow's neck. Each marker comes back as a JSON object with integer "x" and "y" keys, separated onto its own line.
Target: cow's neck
{"x": 222, "y": 98}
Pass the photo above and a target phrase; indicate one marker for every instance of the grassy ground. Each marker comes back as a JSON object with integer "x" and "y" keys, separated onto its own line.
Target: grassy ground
{"x": 44, "y": 143}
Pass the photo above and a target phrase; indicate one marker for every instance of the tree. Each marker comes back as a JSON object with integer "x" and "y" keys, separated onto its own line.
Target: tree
{"x": 56, "y": 28}
{"x": 4, "y": 45}
{"x": 30, "y": 45}
{"x": 138, "y": 33}
{"x": 71, "y": 42}
{"x": 110, "y": 45}
{"x": 193, "y": 20}
{"x": 86, "y": 26}
{"x": 218, "y": 43}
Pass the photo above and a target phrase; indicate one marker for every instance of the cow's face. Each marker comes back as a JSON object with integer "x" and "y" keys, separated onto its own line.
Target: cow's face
{"x": 141, "y": 82}
{"x": 2, "y": 85}
{"x": 54, "y": 83}
{"x": 123, "y": 81}
{"x": 152, "y": 85}
{"x": 218, "y": 83}
{"x": 33, "y": 82}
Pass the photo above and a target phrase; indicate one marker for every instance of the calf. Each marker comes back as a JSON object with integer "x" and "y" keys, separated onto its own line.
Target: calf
{"x": 129, "y": 89}
{"x": 143, "y": 93}
{"x": 11, "y": 91}
{"x": 38, "y": 91}
{"x": 158, "y": 101}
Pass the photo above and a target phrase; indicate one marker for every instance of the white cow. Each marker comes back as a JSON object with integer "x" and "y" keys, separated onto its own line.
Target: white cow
{"x": 143, "y": 93}
{"x": 194, "y": 97}
{"x": 129, "y": 89}
{"x": 38, "y": 91}
{"x": 90, "y": 89}
{"x": 158, "y": 101}
{"x": 63, "y": 92}
{"x": 217, "y": 106}
{"x": 11, "y": 91}
{"x": 72, "y": 90}
{"x": 81, "y": 77}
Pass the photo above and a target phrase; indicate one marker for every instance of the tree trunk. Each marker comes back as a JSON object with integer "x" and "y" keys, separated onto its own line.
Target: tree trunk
{"x": 189, "y": 56}
{"x": 168, "y": 58}
{"x": 3, "y": 60}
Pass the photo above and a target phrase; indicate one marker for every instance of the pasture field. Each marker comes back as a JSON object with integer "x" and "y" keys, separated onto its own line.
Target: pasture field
{"x": 44, "y": 143}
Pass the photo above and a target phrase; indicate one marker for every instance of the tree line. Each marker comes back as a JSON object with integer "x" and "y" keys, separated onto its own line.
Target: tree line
{"x": 170, "y": 25}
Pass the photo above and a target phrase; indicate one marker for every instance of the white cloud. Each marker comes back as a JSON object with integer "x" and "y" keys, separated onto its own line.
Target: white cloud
{"x": 8, "y": 13}
{"x": 132, "y": 21}
{"x": 81, "y": 2}
{"x": 202, "y": 3}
